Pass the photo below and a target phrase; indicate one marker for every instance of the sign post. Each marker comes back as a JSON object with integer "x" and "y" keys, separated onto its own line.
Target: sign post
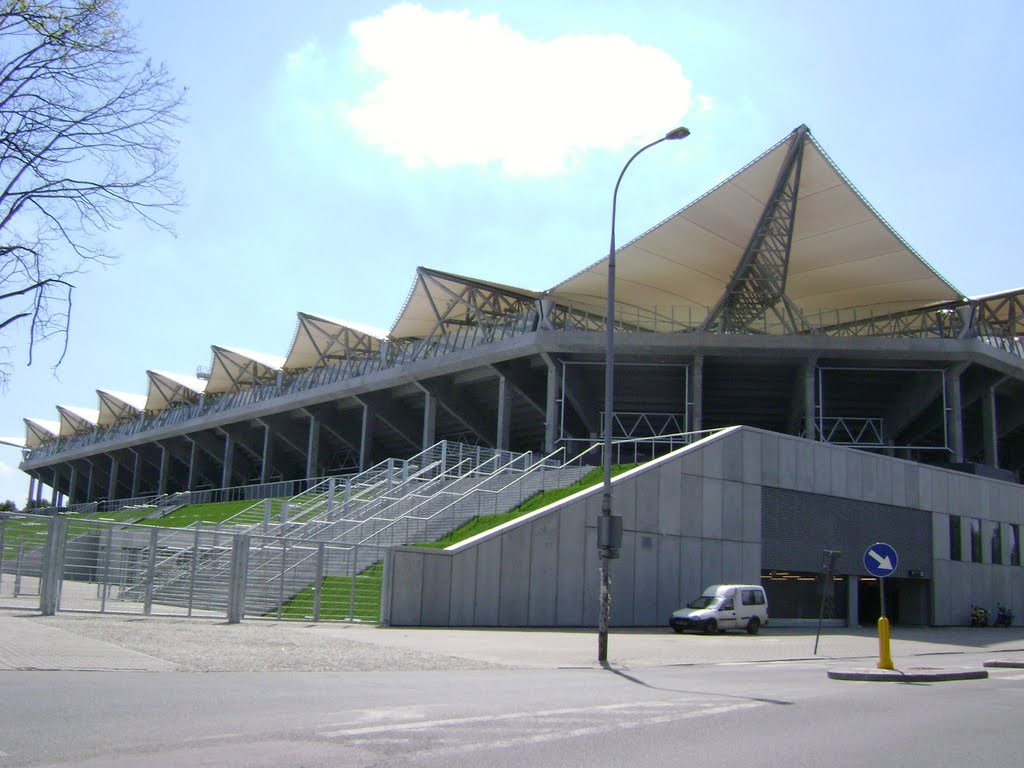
{"x": 880, "y": 560}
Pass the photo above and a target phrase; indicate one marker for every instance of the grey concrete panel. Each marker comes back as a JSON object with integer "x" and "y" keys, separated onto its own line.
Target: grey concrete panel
{"x": 624, "y": 582}
{"x": 805, "y": 465}
{"x": 885, "y": 479}
{"x": 648, "y": 500}
{"x": 751, "y": 563}
{"x": 869, "y": 477}
{"x": 713, "y": 458}
{"x": 926, "y": 487}
{"x": 488, "y": 582}
{"x": 940, "y": 536}
{"x": 752, "y": 514}
{"x": 838, "y": 468}
{"x": 769, "y": 459}
{"x": 691, "y": 514}
{"x": 899, "y": 483}
{"x": 590, "y": 578}
{"x": 624, "y": 500}
{"x": 543, "y": 571}
{"x": 463, "y": 609}
{"x": 822, "y": 468}
{"x": 732, "y": 510}
{"x": 942, "y": 580}
{"x": 913, "y": 484}
{"x": 406, "y": 594}
{"x": 732, "y": 457}
{"x": 592, "y": 506}
{"x": 670, "y": 494}
{"x": 711, "y": 562}
{"x": 669, "y": 598}
{"x": 514, "y": 602}
{"x": 572, "y": 540}
{"x": 787, "y": 463}
{"x": 732, "y": 563}
{"x": 854, "y": 474}
{"x": 645, "y": 581}
{"x": 692, "y": 461}
{"x": 752, "y": 456}
{"x": 691, "y": 576}
{"x": 711, "y": 509}
{"x": 437, "y": 589}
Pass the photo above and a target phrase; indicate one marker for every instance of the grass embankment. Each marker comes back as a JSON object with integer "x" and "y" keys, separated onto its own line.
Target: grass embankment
{"x": 206, "y": 513}
{"x": 336, "y": 595}
{"x": 32, "y": 533}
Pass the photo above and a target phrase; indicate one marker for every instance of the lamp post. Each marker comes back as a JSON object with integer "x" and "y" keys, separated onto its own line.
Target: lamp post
{"x": 609, "y": 529}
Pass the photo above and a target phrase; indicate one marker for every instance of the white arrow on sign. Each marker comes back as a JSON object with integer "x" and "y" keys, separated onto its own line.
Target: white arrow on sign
{"x": 883, "y": 562}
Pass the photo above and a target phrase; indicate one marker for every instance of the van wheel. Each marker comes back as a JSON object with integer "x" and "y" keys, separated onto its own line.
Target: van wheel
{"x": 677, "y": 630}
{"x": 711, "y": 626}
{"x": 753, "y": 626}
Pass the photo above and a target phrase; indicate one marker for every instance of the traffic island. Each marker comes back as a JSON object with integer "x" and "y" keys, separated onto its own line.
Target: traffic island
{"x": 908, "y": 674}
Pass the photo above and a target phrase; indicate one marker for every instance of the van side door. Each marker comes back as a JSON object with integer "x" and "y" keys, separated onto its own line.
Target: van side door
{"x": 727, "y": 613}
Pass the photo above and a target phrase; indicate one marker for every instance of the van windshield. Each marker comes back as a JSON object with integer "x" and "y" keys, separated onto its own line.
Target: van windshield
{"x": 704, "y": 601}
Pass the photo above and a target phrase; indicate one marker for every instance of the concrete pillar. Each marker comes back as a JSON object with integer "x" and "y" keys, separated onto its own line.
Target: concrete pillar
{"x": 115, "y": 465}
{"x": 697, "y": 394}
{"x": 39, "y": 491}
{"x": 165, "y": 466}
{"x": 89, "y": 480}
{"x": 504, "y": 414}
{"x": 31, "y": 488}
{"x": 73, "y": 485}
{"x": 954, "y": 408}
{"x": 429, "y": 420}
{"x": 313, "y": 447}
{"x": 991, "y": 436}
{"x": 268, "y": 454}
{"x": 193, "y": 464}
{"x": 54, "y": 492}
{"x": 136, "y": 472}
{"x": 810, "y": 425}
{"x": 852, "y": 601}
{"x": 229, "y": 457}
{"x": 366, "y": 439}
{"x": 551, "y": 407}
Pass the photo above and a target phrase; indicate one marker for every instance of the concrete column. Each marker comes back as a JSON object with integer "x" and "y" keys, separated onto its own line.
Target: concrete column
{"x": 429, "y": 420}
{"x": 73, "y": 485}
{"x": 193, "y": 464}
{"x": 136, "y": 472}
{"x": 115, "y": 465}
{"x": 268, "y": 454}
{"x": 988, "y": 418}
{"x": 954, "y": 408}
{"x": 229, "y": 457}
{"x": 697, "y": 394}
{"x": 313, "y": 447}
{"x": 54, "y": 492}
{"x": 165, "y": 466}
{"x": 88, "y": 482}
{"x": 551, "y": 407}
{"x": 504, "y": 414}
{"x": 366, "y": 439}
{"x": 810, "y": 431}
{"x": 852, "y": 601}
{"x": 39, "y": 491}
{"x": 31, "y": 488}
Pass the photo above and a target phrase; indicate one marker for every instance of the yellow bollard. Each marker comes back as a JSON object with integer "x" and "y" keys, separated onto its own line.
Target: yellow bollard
{"x": 884, "y": 657}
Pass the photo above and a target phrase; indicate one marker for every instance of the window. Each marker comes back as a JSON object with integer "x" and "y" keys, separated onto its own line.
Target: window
{"x": 752, "y": 597}
{"x": 976, "y": 541}
{"x": 1014, "y": 544}
{"x": 997, "y": 544}
{"x": 955, "y": 550}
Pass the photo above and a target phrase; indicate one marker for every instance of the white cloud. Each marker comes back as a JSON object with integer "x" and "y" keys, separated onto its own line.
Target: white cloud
{"x": 456, "y": 89}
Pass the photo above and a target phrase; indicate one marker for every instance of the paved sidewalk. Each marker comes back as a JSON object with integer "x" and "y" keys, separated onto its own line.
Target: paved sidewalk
{"x": 72, "y": 641}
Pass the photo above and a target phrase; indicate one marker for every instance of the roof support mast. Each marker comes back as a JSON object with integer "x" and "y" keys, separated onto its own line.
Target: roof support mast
{"x": 759, "y": 283}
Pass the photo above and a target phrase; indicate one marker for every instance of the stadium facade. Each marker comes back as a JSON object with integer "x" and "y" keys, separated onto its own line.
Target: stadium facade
{"x": 780, "y": 300}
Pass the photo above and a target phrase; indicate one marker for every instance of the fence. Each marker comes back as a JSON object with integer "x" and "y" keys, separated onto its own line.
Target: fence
{"x": 55, "y": 564}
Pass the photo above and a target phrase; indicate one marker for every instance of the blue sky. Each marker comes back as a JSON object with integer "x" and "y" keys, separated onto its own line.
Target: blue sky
{"x": 334, "y": 147}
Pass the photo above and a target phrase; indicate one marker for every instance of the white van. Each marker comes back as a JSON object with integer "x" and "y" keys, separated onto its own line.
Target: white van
{"x": 722, "y": 607}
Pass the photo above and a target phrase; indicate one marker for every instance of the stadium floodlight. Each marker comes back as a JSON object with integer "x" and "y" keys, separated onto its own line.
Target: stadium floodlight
{"x": 609, "y": 529}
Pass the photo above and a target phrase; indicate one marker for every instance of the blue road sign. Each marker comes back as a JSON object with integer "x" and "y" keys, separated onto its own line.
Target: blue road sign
{"x": 880, "y": 560}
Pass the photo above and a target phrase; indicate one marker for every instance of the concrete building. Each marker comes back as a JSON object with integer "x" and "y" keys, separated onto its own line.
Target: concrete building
{"x": 779, "y": 300}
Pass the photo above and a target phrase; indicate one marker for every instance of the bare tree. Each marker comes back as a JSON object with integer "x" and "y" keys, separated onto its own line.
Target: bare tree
{"x": 86, "y": 143}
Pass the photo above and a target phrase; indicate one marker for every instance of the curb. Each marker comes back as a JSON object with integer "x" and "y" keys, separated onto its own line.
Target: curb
{"x": 909, "y": 674}
{"x": 1004, "y": 663}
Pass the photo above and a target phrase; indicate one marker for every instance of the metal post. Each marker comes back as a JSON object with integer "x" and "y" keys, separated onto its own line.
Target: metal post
{"x": 106, "y": 569}
{"x": 239, "y": 569}
{"x": 280, "y": 587}
{"x": 147, "y": 605}
{"x": 604, "y": 551}
{"x": 318, "y": 589}
{"x": 352, "y": 592}
{"x": 52, "y": 567}
{"x": 3, "y": 534}
{"x": 193, "y": 566}
{"x": 330, "y": 495}
{"x": 17, "y": 569}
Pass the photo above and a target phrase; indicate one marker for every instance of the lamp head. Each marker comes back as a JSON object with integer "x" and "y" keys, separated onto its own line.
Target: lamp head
{"x": 678, "y": 133}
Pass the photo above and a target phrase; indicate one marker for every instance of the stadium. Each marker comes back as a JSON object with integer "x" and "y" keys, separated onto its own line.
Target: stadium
{"x": 830, "y": 389}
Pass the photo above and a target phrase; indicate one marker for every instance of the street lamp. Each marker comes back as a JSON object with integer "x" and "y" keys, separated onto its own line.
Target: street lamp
{"x": 609, "y": 528}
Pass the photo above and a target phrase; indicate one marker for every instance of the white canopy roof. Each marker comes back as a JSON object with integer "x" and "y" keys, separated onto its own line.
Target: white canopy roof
{"x": 39, "y": 431}
{"x": 74, "y": 420}
{"x": 118, "y": 406}
{"x": 843, "y": 254}
{"x": 14, "y": 442}
{"x": 235, "y": 369}
{"x": 167, "y": 389}
{"x": 321, "y": 341}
